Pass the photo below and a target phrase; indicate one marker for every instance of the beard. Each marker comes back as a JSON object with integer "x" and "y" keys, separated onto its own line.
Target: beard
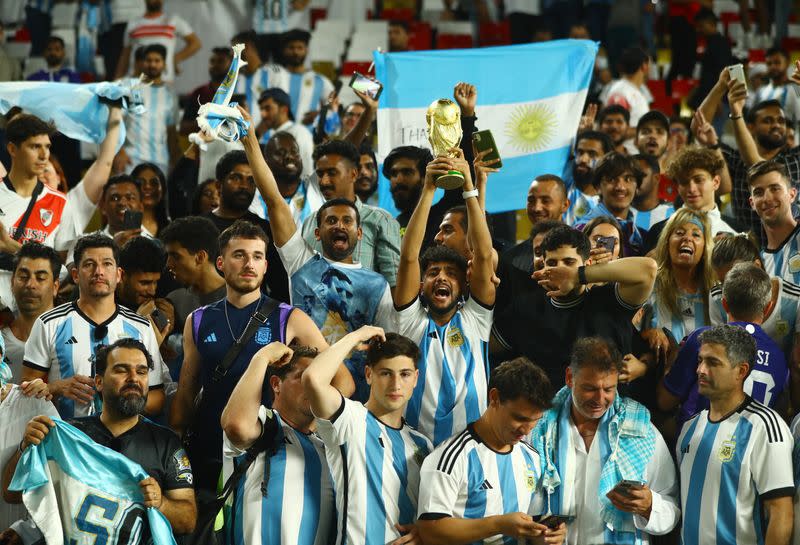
{"x": 406, "y": 201}
{"x": 582, "y": 179}
{"x": 238, "y": 201}
{"x": 770, "y": 142}
{"x": 127, "y": 405}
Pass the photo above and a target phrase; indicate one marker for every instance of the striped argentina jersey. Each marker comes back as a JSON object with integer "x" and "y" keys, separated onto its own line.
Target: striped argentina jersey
{"x": 297, "y": 508}
{"x": 784, "y": 261}
{"x": 251, "y": 85}
{"x": 305, "y": 91}
{"x": 466, "y": 479}
{"x": 63, "y": 343}
{"x": 453, "y": 368}
{"x": 146, "y": 139}
{"x": 580, "y": 204}
{"x": 375, "y": 470}
{"x": 781, "y": 325}
{"x": 727, "y": 469}
{"x": 692, "y": 315}
{"x": 646, "y": 219}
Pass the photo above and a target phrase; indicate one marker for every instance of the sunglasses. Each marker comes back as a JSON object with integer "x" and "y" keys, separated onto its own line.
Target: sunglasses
{"x": 100, "y": 333}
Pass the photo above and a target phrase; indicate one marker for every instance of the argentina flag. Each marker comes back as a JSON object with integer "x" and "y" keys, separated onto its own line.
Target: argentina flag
{"x": 530, "y": 96}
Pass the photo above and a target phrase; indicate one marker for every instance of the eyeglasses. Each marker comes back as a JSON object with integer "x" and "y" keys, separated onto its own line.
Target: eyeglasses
{"x": 100, "y": 333}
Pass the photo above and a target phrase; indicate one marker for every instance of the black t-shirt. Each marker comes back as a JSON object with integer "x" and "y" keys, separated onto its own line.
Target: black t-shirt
{"x": 156, "y": 448}
{"x": 544, "y": 329}
{"x": 276, "y": 281}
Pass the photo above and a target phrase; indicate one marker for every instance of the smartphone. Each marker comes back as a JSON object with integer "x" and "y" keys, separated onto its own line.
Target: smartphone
{"x": 625, "y": 485}
{"x": 552, "y": 521}
{"x": 370, "y": 87}
{"x": 159, "y": 318}
{"x": 737, "y": 72}
{"x": 606, "y": 242}
{"x": 132, "y": 220}
{"x": 484, "y": 140}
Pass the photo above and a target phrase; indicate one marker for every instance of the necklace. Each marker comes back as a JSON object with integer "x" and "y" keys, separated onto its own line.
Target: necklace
{"x": 228, "y": 321}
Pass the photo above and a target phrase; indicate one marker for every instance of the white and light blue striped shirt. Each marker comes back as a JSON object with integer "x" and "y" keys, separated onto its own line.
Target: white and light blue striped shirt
{"x": 306, "y": 90}
{"x": 453, "y": 368}
{"x": 781, "y": 325}
{"x": 645, "y": 220}
{"x": 692, "y": 315}
{"x": 63, "y": 343}
{"x": 297, "y": 506}
{"x": 784, "y": 261}
{"x": 727, "y": 469}
{"x": 276, "y": 16}
{"x": 252, "y": 85}
{"x": 375, "y": 471}
{"x": 466, "y": 479}
{"x": 146, "y": 139}
{"x": 580, "y": 204}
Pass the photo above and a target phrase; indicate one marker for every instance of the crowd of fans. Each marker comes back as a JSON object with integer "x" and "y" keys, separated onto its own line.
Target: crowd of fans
{"x": 245, "y": 322}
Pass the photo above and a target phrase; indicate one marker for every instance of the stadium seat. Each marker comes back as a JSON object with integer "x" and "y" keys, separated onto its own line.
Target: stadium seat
{"x": 18, "y": 50}
{"x": 757, "y": 55}
{"x": 317, "y": 14}
{"x": 363, "y": 45}
{"x": 454, "y": 41}
{"x": 65, "y": 14}
{"x": 335, "y": 27}
{"x": 398, "y": 14}
{"x": 420, "y": 36}
{"x": 793, "y": 30}
{"x": 681, "y": 89}
{"x": 661, "y": 100}
{"x": 33, "y": 64}
{"x": 454, "y": 27}
{"x": 791, "y": 44}
{"x": 372, "y": 27}
{"x": 494, "y": 33}
{"x": 362, "y": 67}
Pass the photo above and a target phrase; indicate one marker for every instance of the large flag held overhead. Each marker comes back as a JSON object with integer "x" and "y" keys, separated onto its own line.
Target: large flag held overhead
{"x": 76, "y": 109}
{"x": 530, "y": 96}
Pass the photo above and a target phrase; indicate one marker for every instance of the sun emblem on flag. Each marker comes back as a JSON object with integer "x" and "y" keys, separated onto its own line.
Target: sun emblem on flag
{"x": 531, "y": 127}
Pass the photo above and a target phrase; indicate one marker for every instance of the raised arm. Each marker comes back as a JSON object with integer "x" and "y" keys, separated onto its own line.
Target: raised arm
{"x": 98, "y": 173}
{"x": 281, "y": 222}
{"x": 737, "y": 93}
{"x": 408, "y": 274}
{"x": 711, "y": 103}
{"x": 634, "y": 276}
{"x": 706, "y": 136}
{"x": 122, "y": 63}
{"x": 480, "y": 240}
{"x": 361, "y": 128}
{"x": 240, "y": 418}
{"x": 325, "y": 399}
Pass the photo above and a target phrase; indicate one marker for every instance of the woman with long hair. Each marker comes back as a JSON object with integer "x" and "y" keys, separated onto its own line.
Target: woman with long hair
{"x": 679, "y": 302}
{"x": 153, "y": 185}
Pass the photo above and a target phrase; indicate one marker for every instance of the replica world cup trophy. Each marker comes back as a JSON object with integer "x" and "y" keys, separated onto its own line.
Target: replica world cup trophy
{"x": 444, "y": 133}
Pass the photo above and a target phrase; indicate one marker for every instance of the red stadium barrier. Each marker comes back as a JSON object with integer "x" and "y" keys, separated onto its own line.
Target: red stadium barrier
{"x": 453, "y": 41}
{"x": 494, "y": 33}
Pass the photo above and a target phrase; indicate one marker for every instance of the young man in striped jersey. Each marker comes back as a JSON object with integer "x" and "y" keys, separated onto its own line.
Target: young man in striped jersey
{"x": 287, "y": 498}
{"x": 593, "y": 439}
{"x": 734, "y": 458}
{"x": 771, "y": 196}
{"x": 480, "y": 485}
{"x": 453, "y": 335}
{"x": 63, "y": 341}
{"x": 373, "y": 454}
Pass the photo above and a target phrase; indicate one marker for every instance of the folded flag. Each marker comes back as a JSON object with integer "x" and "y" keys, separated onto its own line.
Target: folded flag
{"x": 76, "y": 109}
{"x": 530, "y": 96}
{"x": 220, "y": 118}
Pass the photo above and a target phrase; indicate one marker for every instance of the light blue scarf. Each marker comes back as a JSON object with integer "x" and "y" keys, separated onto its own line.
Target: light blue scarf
{"x": 628, "y": 445}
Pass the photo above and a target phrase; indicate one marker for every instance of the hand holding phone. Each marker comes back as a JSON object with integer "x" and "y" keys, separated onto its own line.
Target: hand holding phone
{"x": 552, "y": 521}
{"x": 625, "y": 486}
{"x": 132, "y": 220}
{"x": 736, "y": 72}
{"x": 370, "y": 87}
{"x": 606, "y": 242}
{"x": 484, "y": 141}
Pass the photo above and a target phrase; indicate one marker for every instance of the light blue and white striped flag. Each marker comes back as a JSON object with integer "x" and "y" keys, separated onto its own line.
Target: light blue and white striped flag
{"x": 76, "y": 109}
{"x": 530, "y": 96}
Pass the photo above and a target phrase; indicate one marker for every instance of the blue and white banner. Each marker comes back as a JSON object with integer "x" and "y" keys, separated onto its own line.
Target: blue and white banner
{"x": 530, "y": 96}
{"x": 76, "y": 109}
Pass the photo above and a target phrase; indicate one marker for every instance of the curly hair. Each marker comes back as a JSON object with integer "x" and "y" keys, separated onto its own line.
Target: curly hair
{"x": 690, "y": 158}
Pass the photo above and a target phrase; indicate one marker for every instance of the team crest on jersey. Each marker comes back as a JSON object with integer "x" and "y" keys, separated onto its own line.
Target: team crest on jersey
{"x": 454, "y": 337}
{"x": 726, "y": 451}
{"x": 46, "y": 216}
{"x": 530, "y": 479}
{"x": 263, "y": 335}
{"x": 419, "y": 456}
{"x": 183, "y": 468}
{"x": 781, "y": 328}
{"x": 794, "y": 263}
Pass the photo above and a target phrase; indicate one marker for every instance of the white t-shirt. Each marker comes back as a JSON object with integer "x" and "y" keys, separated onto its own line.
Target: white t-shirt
{"x": 630, "y": 97}
{"x": 15, "y": 351}
{"x": 16, "y": 410}
{"x": 123, "y": 11}
{"x": 164, "y": 29}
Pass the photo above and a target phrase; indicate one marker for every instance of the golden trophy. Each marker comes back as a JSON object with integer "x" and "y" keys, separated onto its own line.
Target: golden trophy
{"x": 444, "y": 133}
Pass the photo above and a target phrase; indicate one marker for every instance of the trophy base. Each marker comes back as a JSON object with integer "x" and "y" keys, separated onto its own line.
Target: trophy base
{"x": 452, "y": 180}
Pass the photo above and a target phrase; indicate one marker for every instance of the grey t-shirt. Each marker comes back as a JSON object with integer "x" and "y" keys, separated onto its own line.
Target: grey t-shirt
{"x": 186, "y": 302}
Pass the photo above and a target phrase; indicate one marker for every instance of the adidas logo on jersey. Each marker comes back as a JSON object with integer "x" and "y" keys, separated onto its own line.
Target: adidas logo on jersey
{"x": 485, "y": 485}
{"x": 211, "y": 338}
{"x": 72, "y": 340}
{"x": 688, "y": 312}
